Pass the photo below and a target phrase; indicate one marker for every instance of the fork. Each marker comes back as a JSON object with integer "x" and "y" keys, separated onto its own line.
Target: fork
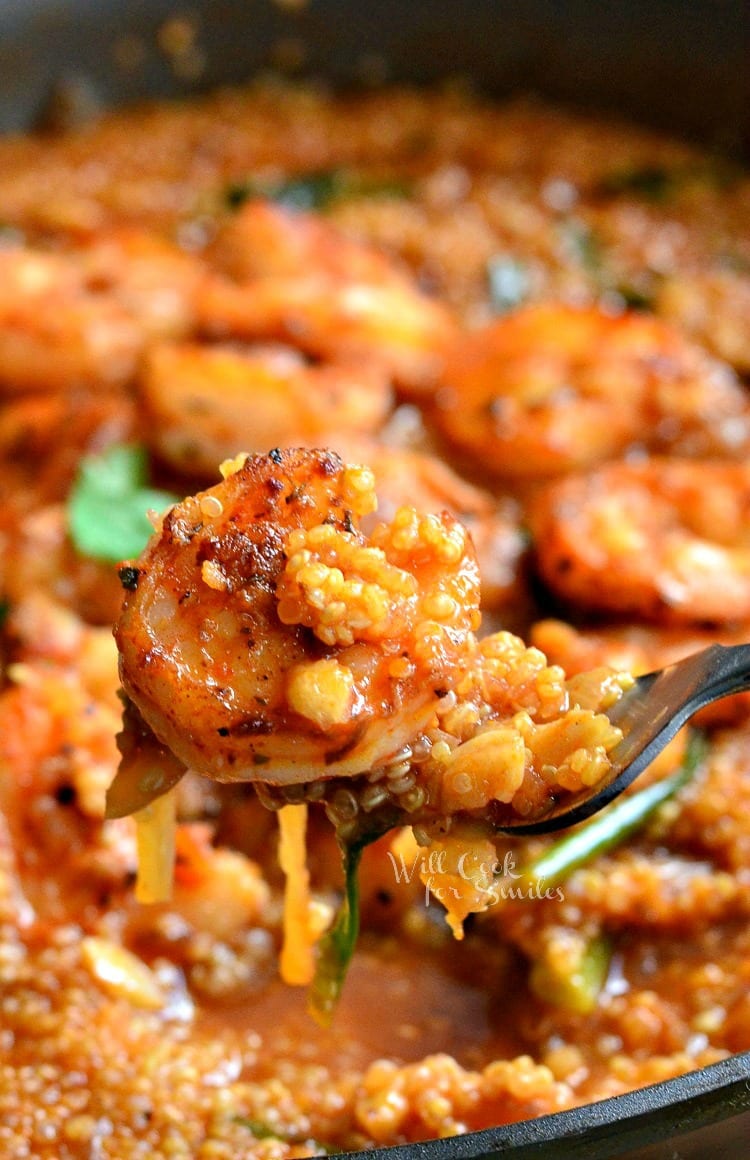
{"x": 649, "y": 714}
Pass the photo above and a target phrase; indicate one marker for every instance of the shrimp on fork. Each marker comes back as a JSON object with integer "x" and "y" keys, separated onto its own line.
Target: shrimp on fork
{"x": 264, "y": 637}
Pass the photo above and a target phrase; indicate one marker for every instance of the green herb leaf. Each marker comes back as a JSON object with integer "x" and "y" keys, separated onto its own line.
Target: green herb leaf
{"x": 336, "y": 948}
{"x": 262, "y": 1131}
{"x": 659, "y": 183}
{"x": 613, "y": 825}
{"x": 315, "y": 191}
{"x": 508, "y": 283}
{"x": 583, "y": 245}
{"x": 337, "y": 945}
{"x": 108, "y": 502}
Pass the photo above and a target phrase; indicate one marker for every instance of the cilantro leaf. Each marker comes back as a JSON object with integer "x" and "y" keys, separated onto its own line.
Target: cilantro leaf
{"x": 108, "y": 502}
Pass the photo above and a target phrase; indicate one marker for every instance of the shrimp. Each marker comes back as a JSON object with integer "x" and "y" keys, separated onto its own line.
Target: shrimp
{"x": 260, "y": 644}
{"x": 550, "y": 389}
{"x": 42, "y": 439}
{"x": 36, "y": 553}
{"x": 263, "y": 240}
{"x": 714, "y": 307}
{"x": 55, "y": 333}
{"x": 202, "y": 404}
{"x": 266, "y": 638}
{"x": 289, "y": 277}
{"x": 665, "y": 539}
{"x": 83, "y": 319}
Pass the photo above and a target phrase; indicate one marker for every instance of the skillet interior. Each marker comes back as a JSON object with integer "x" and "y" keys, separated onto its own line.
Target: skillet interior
{"x": 681, "y": 66}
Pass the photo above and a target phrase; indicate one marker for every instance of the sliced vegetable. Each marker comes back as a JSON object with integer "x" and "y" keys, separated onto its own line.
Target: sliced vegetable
{"x": 572, "y": 976}
{"x": 508, "y": 282}
{"x": 155, "y": 840}
{"x": 613, "y": 825}
{"x": 336, "y": 948}
{"x": 314, "y": 190}
{"x": 297, "y": 962}
{"x": 108, "y": 502}
{"x": 147, "y": 768}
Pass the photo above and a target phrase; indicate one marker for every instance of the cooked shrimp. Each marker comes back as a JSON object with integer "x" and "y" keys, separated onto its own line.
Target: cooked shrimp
{"x": 267, "y": 638}
{"x": 403, "y": 476}
{"x": 203, "y": 404}
{"x": 36, "y": 553}
{"x": 54, "y": 332}
{"x": 552, "y": 388}
{"x": 663, "y": 539}
{"x": 43, "y": 436}
{"x": 713, "y": 306}
{"x": 264, "y": 240}
{"x": 82, "y": 319}
{"x": 299, "y": 280}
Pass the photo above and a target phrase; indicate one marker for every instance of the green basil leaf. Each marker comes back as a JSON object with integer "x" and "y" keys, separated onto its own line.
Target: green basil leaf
{"x": 108, "y": 502}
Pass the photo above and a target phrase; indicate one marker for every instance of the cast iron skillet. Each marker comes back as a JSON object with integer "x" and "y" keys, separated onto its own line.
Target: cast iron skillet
{"x": 678, "y": 64}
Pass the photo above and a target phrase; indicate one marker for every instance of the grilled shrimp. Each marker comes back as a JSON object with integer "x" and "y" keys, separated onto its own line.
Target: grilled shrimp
{"x": 551, "y": 388}
{"x": 204, "y": 404}
{"x": 714, "y": 307}
{"x": 665, "y": 539}
{"x": 284, "y": 276}
{"x": 265, "y": 637}
{"x": 56, "y": 333}
{"x": 82, "y": 319}
{"x": 264, "y": 240}
{"x": 42, "y": 439}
